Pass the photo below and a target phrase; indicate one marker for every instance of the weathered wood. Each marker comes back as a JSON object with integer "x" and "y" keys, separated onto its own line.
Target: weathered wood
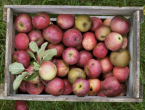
{"x": 5, "y": 14}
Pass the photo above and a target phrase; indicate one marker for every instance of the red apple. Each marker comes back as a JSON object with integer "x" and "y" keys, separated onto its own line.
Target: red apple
{"x": 81, "y": 87}
{"x": 92, "y": 68}
{"x": 21, "y": 105}
{"x": 68, "y": 87}
{"x": 22, "y": 87}
{"x": 72, "y": 38}
{"x": 96, "y": 23}
{"x": 107, "y": 21}
{"x": 120, "y": 24}
{"x": 34, "y": 89}
{"x": 41, "y": 20}
{"x": 121, "y": 73}
{"x": 70, "y": 56}
{"x": 22, "y": 57}
{"x": 101, "y": 94}
{"x": 113, "y": 41}
{"x": 123, "y": 89}
{"x": 89, "y": 41}
{"x": 84, "y": 57}
{"x": 54, "y": 60}
{"x": 95, "y": 86}
{"x": 125, "y": 42}
{"x": 59, "y": 47}
{"x": 21, "y": 41}
{"x": 53, "y": 34}
{"x": 80, "y": 47}
{"x": 65, "y": 21}
{"x": 23, "y": 22}
{"x": 45, "y": 87}
{"x": 105, "y": 75}
{"x": 100, "y": 50}
{"x": 29, "y": 50}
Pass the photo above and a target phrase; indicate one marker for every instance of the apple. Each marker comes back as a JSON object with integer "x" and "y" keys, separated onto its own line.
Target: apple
{"x": 100, "y": 50}
{"x": 68, "y": 87}
{"x": 120, "y": 24}
{"x": 76, "y": 73}
{"x": 101, "y": 94}
{"x": 121, "y": 73}
{"x": 21, "y": 41}
{"x": 22, "y": 57}
{"x": 45, "y": 87}
{"x": 106, "y": 64}
{"x": 47, "y": 70}
{"x": 20, "y": 105}
{"x": 81, "y": 87}
{"x": 111, "y": 87}
{"x": 108, "y": 74}
{"x": 89, "y": 41}
{"x": 59, "y": 47}
{"x": 54, "y": 60}
{"x": 23, "y": 22}
{"x": 96, "y": 23}
{"x": 72, "y": 38}
{"x": 65, "y": 21}
{"x": 53, "y": 34}
{"x": 107, "y": 21}
{"x": 84, "y": 57}
{"x": 56, "y": 87}
{"x": 101, "y": 32}
{"x": 36, "y": 36}
{"x": 34, "y": 89}
{"x": 95, "y": 86}
{"x": 80, "y": 47}
{"x": 62, "y": 68}
{"x": 83, "y": 23}
{"x": 113, "y": 41}
{"x": 70, "y": 56}
{"x": 125, "y": 42}
{"x": 123, "y": 89}
{"x": 41, "y": 20}
{"x": 29, "y": 50}
{"x": 22, "y": 87}
{"x": 92, "y": 68}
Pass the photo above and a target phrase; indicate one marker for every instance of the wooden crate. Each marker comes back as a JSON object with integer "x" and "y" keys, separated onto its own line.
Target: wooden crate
{"x": 135, "y": 14}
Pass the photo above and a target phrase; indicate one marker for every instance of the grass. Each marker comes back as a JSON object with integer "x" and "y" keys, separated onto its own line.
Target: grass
{"x": 45, "y": 105}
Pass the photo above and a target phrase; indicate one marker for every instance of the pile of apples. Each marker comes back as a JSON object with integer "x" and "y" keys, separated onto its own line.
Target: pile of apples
{"x": 91, "y": 58}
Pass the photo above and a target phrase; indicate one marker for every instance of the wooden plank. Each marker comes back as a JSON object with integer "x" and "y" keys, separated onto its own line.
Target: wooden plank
{"x": 5, "y": 14}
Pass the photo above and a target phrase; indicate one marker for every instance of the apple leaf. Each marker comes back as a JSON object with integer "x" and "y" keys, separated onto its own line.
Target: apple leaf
{"x": 32, "y": 55}
{"x": 36, "y": 66}
{"x": 33, "y": 46}
{"x": 18, "y": 80}
{"x": 49, "y": 54}
{"x": 30, "y": 77}
{"x": 16, "y": 68}
{"x": 41, "y": 50}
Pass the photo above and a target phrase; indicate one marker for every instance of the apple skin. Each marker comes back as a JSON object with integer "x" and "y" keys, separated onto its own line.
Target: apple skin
{"x": 62, "y": 68}
{"x": 53, "y": 34}
{"x": 29, "y": 50}
{"x": 81, "y": 87}
{"x": 41, "y": 20}
{"x": 65, "y": 21}
{"x": 123, "y": 89}
{"x": 21, "y": 41}
{"x": 59, "y": 47}
{"x": 100, "y": 50}
{"x": 56, "y": 87}
{"x": 121, "y": 73}
{"x": 101, "y": 94}
{"x": 106, "y": 64}
{"x": 34, "y": 89}
{"x": 101, "y": 32}
{"x": 68, "y": 87}
{"x": 125, "y": 42}
{"x": 72, "y": 38}
{"x": 84, "y": 57}
{"x": 36, "y": 36}
{"x": 108, "y": 74}
{"x": 47, "y": 70}
{"x": 45, "y": 87}
{"x": 113, "y": 41}
{"x": 120, "y": 24}
{"x": 92, "y": 68}
{"x": 111, "y": 87}
{"x": 70, "y": 56}
{"x": 107, "y": 21}
{"x": 20, "y": 105}
{"x": 95, "y": 86}
{"x": 22, "y": 57}
{"x": 89, "y": 41}
{"x": 54, "y": 60}
{"x": 22, "y": 87}
{"x": 23, "y": 23}
{"x": 79, "y": 48}
{"x": 96, "y": 23}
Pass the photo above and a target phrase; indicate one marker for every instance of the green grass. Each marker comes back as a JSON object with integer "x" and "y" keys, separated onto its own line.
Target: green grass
{"x": 46, "y": 105}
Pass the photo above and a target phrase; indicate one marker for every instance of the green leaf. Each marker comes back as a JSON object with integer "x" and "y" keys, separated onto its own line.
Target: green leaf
{"x": 36, "y": 66}
{"x": 41, "y": 50}
{"x": 30, "y": 77}
{"x": 18, "y": 80}
{"x": 33, "y": 46}
{"x": 32, "y": 55}
{"x": 49, "y": 54}
{"x": 16, "y": 68}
